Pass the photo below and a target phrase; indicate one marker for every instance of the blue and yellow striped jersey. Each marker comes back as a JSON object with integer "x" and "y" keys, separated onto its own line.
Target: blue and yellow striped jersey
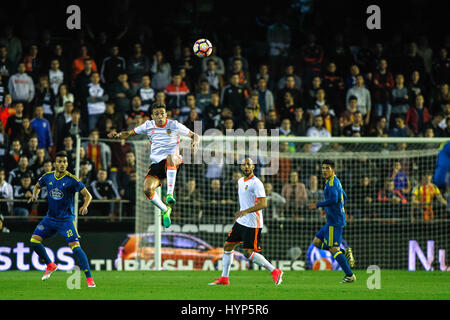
{"x": 61, "y": 193}
{"x": 333, "y": 205}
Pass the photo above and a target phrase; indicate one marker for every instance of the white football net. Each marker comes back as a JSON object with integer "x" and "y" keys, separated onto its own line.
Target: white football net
{"x": 393, "y": 210}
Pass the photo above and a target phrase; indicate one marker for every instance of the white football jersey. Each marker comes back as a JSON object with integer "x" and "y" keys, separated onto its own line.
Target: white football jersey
{"x": 249, "y": 192}
{"x": 164, "y": 140}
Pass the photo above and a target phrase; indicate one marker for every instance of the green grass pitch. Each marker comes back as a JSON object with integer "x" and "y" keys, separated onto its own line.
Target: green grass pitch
{"x": 245, "y": 285}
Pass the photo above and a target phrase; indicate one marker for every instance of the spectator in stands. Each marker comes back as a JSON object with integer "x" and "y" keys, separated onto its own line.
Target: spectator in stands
{"x": 380, "y": 129}
{"x": 26, "y": 132}
{"x": 96, "y": 98}
{"x": 237, "y": 54}
{"x": 138, "y": 65}
{"x": 333, "y": 83}
{"x": 82, "y": 81}
{"x": 184, "y": 112}
{"x": 249, "y": 121}
{"x": 383, "y": 82}
{"x": 76, "y": 126}
{"x": 45, "y": 98}
{"x": 61, "y": 98}
{"x": 299, "y": 123}
{"x": 330, "y": 121}
{"x": 213, "y": 112}
{"x": 62, "y": 124}
{"x": 364, "y": 98}
{"x": 13, "y": 45}
{"x": 31, "y": 148}
{"x": 4, "y": 144}
{"x": 275, "y": 203}
{"x": 6, "y": 192}
{"x": 313, "y": 192}
{"x": 23, "y": 168}
{"x": 234, "y": 97}
{"x": 80, "y": 62}
{"x": 364, "y": 197}
{"x": 263, "y": 72}
{"x": 125, "y": 169}
{"x": 244, "y": 76}
{"x": 295, "y": 194}
{"x": 312, "y": 55}
{"x": 23, "y": 192}
{"x": 36, "y": 164}
{"x": 161, "y": 71}
{"x": 417, "y": 116}
{"x": 14, "y": 121}
{"x": 192, "y": 119}
{"x": 412, "y": 61}
{"x": 42, "y": 128}
{"x": 103, "y": 189}
{"x": 314, "y": 109}
{"x": 391, "y": 201}
{"x": 220, "y": 66}
{"x": 64, "y": 63}
{"x": 434, "y": 125}
{"x": 423, "y": 195}
{"x": 316, "y": 131}
{"x": 119, "y": 92}
{"x": 146, "y": 93}
{"x": 21, "y": 88}
{"x": 346, "y": 118}
{"x": 272, "y": 120}
{"x": 290, "y": 87}
{"x": 191, "y": 199}
{"x": 215, "y": 203}
{"x": 416, "y": 86}
{"x": 357, "y": 126}
{"x": 116, "y": 118}
{"x": 214, "y": 78}
{"x": 440, "y": 99}
{"x": 6, "y": 67}
{"x": 400, "y": 179}
{"x": 98, "y": 152}
{"x": 203, "y": 96}
{"x": 12, "y": 158}
{"x": 400, "y": 129}
{"x": 265, "y": 96}
{"x": 55, "y": 76}
{"x": 350, "y": 80}
{"x": 86, "y": 170}
{"x": 176, "y": 93}
{"x": 286, "y": 108}
{"x": 440, "y": 70}
{"x": 33, "y": 62}
{"x": 289, "y": 71}
{"x": 400, "y": 99}
{"x": 6, "y": 109}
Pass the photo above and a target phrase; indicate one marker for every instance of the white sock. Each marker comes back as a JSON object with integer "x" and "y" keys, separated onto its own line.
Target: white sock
{"x": 261, "y": 261}
{"x": 227, "y": 259}
{"x": 156, "y": 200}
{"x": 171, "y": 177}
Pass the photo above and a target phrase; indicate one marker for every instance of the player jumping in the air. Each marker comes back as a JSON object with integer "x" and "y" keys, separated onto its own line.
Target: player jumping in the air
{"x": 329, "y": 236}
{"x": 164, "y": 136}
{"x": 248, "y": 225}
{"x": 61, "y": 187}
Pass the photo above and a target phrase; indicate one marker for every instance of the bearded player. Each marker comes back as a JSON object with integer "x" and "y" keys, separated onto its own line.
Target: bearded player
{"x": 165, "y": 158}
{"x": 329, "y": 237}
{"x": 248, "y": 226}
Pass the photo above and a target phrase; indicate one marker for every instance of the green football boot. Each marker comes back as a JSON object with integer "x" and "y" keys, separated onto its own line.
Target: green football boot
{"x": 170, "y": 200}
{"x": 166, "y": 217}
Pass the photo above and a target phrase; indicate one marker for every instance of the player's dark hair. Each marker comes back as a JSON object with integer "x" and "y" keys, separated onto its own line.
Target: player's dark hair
{"x": 61, "y": 154}
{"x": 158, "y": 105}
{"x": 329, "y": 162}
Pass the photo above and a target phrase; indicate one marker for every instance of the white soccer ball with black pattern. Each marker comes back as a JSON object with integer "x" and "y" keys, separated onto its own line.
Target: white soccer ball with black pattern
{"x": 202, "y": 48}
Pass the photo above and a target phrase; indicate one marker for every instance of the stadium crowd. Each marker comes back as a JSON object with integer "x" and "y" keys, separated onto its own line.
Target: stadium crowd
{"x": 52, "y": 90}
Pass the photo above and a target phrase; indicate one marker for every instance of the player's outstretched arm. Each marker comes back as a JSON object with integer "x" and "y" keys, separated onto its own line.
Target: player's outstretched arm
{"x": 195, "y": 139}
{"x": 121, "y": 135}
{"x": 87, "y": 200}
{"x": 36, "y": 190}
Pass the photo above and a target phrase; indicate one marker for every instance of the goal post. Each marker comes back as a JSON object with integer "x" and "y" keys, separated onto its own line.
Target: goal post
{"x": 396, "y": 218}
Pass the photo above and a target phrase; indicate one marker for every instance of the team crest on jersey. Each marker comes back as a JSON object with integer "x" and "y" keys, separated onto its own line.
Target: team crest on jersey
{"x": 246, "y": 187}
{"x": 56, "y": 194}
{"x": 169, "y": 131}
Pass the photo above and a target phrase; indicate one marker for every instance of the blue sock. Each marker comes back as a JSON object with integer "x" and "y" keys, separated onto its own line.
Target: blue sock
{"x": 40, "y": 251}
{"x": 82, "y": 260}
{"x": 342, "y": 260}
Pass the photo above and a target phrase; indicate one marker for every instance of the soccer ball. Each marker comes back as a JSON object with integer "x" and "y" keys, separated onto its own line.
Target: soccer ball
{"x": 202, "y": 48}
